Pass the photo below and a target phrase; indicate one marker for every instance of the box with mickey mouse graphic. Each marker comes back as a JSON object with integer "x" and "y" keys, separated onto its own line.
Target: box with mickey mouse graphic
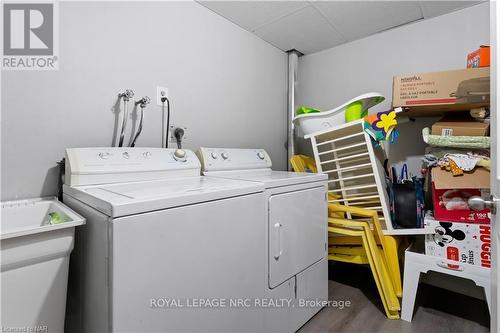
{"x": 462, "y": 242}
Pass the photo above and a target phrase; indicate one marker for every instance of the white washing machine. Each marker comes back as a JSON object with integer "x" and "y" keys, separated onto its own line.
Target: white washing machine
{"x": 160, "y": 241}
{"x": 296, "y": 231}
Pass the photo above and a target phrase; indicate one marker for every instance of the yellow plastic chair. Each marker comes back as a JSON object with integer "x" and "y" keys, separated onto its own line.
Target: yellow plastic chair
{"x": 345, "y": 245}
{"x": 348, "y": 248}
{"x": 303, "y": 163}
{"x": 369, "y": 252}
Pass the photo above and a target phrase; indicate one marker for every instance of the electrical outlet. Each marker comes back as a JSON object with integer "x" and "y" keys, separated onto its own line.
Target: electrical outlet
{"x": 172, "y": 130}
{"x": 160, "y": 93}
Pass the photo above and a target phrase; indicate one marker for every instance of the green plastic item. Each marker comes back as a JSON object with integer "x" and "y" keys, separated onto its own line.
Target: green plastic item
{"x": 55, "y": 218}
{"x": 468, "y": 142}
{"x": 354, "y": 111}
{"x": 305, "y": 110}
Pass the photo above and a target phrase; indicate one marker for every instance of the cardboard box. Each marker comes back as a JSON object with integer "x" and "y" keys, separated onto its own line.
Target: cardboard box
{"x": 450, "y": 195}
{"x": 479, "y": 58}
{"x": 450, "y": 205}
{"x": 462, "y": 242}
{"x": 457, "y": 90}
{"x": 459, "y": 126}
{"x": 478, "y": 179}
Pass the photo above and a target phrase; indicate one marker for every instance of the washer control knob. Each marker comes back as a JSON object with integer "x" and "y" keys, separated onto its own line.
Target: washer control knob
{"x": 180, "y": 155}
{"x": 146, "y": 154}
{"x": 261, "y": 155}
{"x": 224, "y": 155}
{"x": 104, "y": 155}
{"x": 214, "y": 156}
{"x": 126, "y": 155}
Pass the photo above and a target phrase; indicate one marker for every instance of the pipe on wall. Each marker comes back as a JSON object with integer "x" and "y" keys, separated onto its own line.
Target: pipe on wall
{"x": 293, "y": 66}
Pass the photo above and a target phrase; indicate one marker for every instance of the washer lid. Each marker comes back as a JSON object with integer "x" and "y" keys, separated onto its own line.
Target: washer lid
{"x": 271, "y": 178}
{"x": 139, "y": 197}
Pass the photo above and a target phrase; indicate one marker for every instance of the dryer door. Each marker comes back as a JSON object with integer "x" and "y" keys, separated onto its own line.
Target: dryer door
{"x": 297, "y": 232}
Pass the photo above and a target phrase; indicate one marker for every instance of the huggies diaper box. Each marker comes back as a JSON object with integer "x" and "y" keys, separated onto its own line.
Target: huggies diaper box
{"x": 462, "y": 242}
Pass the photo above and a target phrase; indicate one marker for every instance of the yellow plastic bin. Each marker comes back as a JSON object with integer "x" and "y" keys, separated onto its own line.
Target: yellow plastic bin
{"x": 34, "y": 264}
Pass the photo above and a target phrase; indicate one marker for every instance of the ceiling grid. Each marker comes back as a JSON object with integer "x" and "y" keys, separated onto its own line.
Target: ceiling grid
{"x": 312, "y": 26}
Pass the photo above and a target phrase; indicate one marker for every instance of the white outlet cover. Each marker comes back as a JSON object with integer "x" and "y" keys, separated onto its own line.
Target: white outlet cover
{"x": 160, "y": 92}
{"x": 171, "y": 133}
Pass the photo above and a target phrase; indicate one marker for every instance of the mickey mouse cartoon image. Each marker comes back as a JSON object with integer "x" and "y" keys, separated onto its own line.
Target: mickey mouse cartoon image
{"x": 445, "y": 235}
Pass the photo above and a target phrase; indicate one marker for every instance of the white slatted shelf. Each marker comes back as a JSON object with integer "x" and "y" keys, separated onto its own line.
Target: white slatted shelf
{"x": 345, "y": 158}
{"x": 359, "y": 151}
{"x": 354, "y": 167}
{"x": 353, "y": 188}
{"x": 355, "y": 170}
{"x": 341, "y": 139}
{"x": 351, "y": 178}
{"x": 343, "y": 148}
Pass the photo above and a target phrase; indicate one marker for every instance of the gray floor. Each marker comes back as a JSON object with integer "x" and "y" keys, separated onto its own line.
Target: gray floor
{"x": 437, "y": 310}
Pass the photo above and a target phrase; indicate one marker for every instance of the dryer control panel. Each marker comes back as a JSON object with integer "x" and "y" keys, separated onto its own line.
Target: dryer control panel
{"x": 88, "y": 166}
{"x": 225, "y": 159}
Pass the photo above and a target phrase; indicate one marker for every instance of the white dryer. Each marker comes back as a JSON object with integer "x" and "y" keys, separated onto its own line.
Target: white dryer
{"x": 296, "y": 230}
{"x": 160, "y": 241}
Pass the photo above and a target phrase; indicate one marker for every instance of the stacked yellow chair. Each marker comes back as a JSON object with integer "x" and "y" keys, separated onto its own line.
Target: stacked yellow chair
{"x": 362, "y": 242}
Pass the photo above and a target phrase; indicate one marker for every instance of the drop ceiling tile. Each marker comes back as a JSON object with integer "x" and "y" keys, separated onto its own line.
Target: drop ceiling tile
{"x": 358, "y": 19}
{"x": 306, "y": 31}
{"x": 436, "y": 8}
{"x": 252, "y": 14}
